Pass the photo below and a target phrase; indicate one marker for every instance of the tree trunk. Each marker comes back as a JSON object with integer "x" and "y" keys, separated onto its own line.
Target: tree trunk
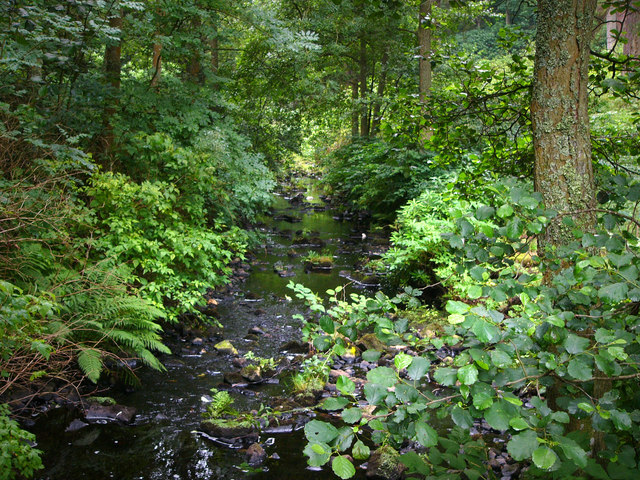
{"x": 364, "y": 112}
{"x": 631, "y": 24}
{"x": 194, "y": 67}
{"x": 424, "y": 54}
{"x": 156, "y": 64}
{"x": 382, "y": 85}
{"x": 355, "y": 117}
{"x": 560, "y": 120}
{"x": 113, "y": 70}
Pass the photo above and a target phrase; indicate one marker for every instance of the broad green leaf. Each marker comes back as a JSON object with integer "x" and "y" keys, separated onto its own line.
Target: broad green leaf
{"x": 326, "y": 324}
{"x": 345, "y": 385}
{"x": 343, "y": 468}
{"x": 505, "y": 211}
{"x": 501, "y": 359}
{"x": 320, "y": 432}
{"x": 371, "y": 355}
{"x": 384, "y": 376}
{"x": 318, "y": 453}
{"x": 486, "y": 332}
{"x": 352, "y": 415}
{"x": 468, "y": 375}
{"x": 454, "y": 306}
{"x": 461, "y": 417}
{"x": 576, "y": 344}
{"x": 375, "y": 394}
{"x": 446, "y": 376}
{"x": 483, "y": 212}
{"x": 406, "y": 393}
{"x": 573, "y": 451}
{"x": 334, "y": 403}
{"x": 522, "y": 445}
{"x": 456, "y": 318}
{"x": 579, "y": 370}
{"x": 402, "y": 360}
{"x": 360, "y": 451}
{"x": 497, "y": 416}
{"x": 425, "y": 435}
{"x": 514, "y": 229}
{"x": 419, "y": 366}
{"x": 474, "y": 291}
{"x": 614, "y": 293}
{"x": 544, "y": 458}
{"x": 415, "y": 463}
{"x": 518, "y": 423}
{"x": 621, "y": 419}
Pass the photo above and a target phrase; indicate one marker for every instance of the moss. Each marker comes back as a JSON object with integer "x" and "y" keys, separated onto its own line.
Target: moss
{"x": 228, "y": 427}
{"x": 227, "y": 347}
{"x": 104, "y": 401}
{"x": 385, "y": 463}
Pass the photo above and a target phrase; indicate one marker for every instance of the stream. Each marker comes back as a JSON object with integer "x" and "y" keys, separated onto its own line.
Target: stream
{"x": 163, "y": 442}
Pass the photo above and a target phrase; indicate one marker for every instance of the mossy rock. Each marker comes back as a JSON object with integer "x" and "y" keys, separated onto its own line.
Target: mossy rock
{"x": 227, "y": 427}
{"x": 369, "y": 341}
{"x": 104, "y": 401}
{"x": 226, "y": 347}
{"x": 253, "y": 373}
{"x": 385, "y": 464}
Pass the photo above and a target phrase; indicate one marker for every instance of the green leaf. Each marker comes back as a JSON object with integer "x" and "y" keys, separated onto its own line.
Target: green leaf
{"x": 415, "y": 463}
{"x": 406, "y": 393}
{"x": 518, "y": 423}
{"x": 371, "y": 355}
{"x": 497, "y": 416}
{"x": 318, "y": 453}
{"x": 320, "y": 432}
{"x": 505, "y": 211}
{"x": 345, "y": 385}
{"x": 514, "y": 229}
{"x": 461, "y": 417}
{"x": 614, "y": 293}
{"x": 402, "y": 360}
{"x": 352, "y": 415}
{"x": 474, "y": 291}
{"x": 501, "y": 359}
{"x": 576, "y": 344}
{"x": 327, "y": 325}
{"x": 343, "y": 468}
{"x": 446, "y": 376}
{"x": 573, "y": 451}
{"x": 333, "y": 403}
{"x": 544, "y": 458}
{"x": 456, "y": 318}
{"x": 483, "y": 212}
{"x": 382, "y": 376}
{"x": 468, "y": 375}
{"x": 425, "y": 435}
{"x": 522, "y": 445}
{"x": 579, "y": 370}
{"x": 454, "y": 306}
{"x": 375, "y": 394}
{"x": 486, "y": 332}
{"x": 91, "y": 364}
{"x": 621, "y": 419}
{"x": 360, "y": 451}
{"x": 419, "y": 366}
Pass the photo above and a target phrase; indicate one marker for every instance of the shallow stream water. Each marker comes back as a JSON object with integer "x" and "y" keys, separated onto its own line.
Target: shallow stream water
{"x": 163, "y": 442}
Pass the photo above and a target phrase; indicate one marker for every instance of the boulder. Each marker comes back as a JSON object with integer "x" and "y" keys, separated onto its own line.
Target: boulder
{"x": 227, "y": 428}
{"x": 255, "y": 454}
{"x": 99, "y": 413}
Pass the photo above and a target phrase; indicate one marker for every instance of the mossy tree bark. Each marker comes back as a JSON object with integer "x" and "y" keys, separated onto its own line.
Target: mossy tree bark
{"x": 560, "y": 119}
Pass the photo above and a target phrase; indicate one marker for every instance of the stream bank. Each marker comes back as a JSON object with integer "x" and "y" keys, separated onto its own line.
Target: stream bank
{"x": 163, "y": 439}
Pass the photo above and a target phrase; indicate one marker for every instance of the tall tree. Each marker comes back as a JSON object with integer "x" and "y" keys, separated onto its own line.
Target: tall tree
{"x": 560, "y": 120}
{"x": 424, "y": 58}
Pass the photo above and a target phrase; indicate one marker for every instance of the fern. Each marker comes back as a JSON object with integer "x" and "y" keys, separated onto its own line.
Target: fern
{"x": 90, "y": 363}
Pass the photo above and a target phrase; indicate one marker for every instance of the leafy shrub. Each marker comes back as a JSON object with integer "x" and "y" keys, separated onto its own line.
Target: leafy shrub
{"x": 377, "y": 176}
{"x": 172, "y": 255}
{"x": 551, "y": 364}
{"x": 17, "y": 457}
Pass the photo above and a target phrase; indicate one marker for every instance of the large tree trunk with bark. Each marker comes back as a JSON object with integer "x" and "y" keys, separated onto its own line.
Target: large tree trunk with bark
{"x": 560, "y": 119}
{"x": 156, "y": 64}
{"x": 561, "y": 139}
{"x": 424, "y": 55}
{"x": 364, "y": 90}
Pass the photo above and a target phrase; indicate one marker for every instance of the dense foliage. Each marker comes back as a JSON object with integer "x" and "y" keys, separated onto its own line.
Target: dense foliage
{"x": 138, "y": 140}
